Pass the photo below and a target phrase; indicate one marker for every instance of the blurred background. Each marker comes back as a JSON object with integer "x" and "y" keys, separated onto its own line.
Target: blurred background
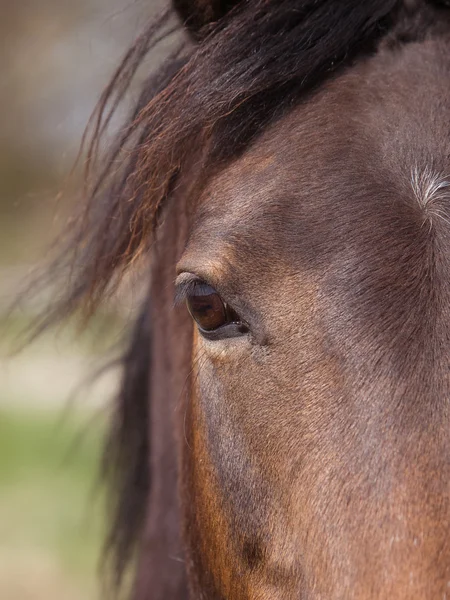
{"x": 55, "y": 59}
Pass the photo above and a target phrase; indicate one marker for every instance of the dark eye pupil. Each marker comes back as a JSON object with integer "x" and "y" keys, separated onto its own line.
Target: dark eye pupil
{"x": 207, "y": 308}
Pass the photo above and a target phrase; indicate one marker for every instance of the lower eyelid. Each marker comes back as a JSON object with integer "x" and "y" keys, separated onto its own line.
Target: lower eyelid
{"x": 232, "y": 330}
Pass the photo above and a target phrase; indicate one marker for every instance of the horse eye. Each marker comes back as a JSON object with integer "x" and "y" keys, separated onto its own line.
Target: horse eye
{"x": 208, "y": 309}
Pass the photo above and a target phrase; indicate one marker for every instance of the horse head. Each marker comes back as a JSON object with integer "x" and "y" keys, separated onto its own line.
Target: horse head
{"x": 292, "y": 171}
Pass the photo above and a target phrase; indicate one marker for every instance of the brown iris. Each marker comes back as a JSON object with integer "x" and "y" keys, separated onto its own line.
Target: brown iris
{"x": 208, "y": 309}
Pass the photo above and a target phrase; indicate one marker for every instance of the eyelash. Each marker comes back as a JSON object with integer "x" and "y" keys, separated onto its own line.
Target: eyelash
{"x": 187, "y": 288}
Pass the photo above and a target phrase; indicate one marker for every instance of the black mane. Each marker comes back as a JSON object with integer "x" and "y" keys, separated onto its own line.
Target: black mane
{"x": 216, "y": 95}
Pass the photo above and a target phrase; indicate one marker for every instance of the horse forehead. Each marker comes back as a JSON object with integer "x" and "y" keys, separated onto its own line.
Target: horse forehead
{"x": 376, "y": 124}
{"x": 303, "y": 170}
{"x": 284, "y": 167}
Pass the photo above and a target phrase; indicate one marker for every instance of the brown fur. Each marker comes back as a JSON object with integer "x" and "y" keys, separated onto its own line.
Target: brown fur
{"x": 307, "y": 183}
{"x": 346, "y": 399}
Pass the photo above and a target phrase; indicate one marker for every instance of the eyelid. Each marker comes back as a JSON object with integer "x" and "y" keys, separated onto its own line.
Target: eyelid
{"x": 186, "y": 283}
{"x": 227, "y": 331}
{"x": 184, "y": 286}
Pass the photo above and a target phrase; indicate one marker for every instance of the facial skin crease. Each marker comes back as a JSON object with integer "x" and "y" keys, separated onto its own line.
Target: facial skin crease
{"x": 317, "y": 460}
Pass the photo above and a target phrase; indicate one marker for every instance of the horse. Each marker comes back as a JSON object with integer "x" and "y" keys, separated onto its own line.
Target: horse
{"x": 282, "y": 426}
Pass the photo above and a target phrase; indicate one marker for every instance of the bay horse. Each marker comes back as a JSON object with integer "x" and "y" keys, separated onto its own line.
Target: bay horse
{"x": 283, "y": 427}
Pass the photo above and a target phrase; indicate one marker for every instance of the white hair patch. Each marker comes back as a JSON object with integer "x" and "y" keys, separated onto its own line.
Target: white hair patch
{"x": 431, "y": 189}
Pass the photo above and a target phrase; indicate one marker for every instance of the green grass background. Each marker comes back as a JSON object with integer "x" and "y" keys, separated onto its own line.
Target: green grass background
{"x": 53, "y": 419}
{"x": 51, "y": 514}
